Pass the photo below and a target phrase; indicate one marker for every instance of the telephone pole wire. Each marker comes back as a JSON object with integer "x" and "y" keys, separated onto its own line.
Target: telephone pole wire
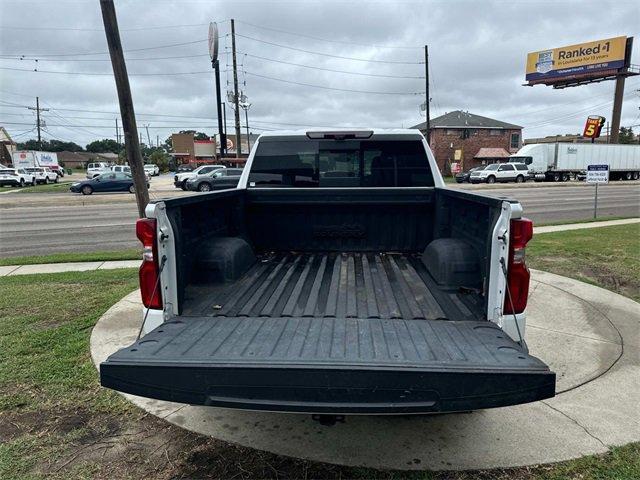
{"x": 236, "y": 102}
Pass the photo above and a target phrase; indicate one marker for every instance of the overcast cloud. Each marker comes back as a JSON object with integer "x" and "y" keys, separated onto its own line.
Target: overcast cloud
{"x": 477, "y": 56}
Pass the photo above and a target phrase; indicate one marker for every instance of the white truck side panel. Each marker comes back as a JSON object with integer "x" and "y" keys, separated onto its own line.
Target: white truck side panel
{"x": 46, "y": 159}
{"x": 577, "y": 156}
{"x": 24, "y": 159}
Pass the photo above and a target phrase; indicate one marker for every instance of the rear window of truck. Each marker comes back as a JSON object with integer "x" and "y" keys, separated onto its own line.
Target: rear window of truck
{"x": 344, "y": 163}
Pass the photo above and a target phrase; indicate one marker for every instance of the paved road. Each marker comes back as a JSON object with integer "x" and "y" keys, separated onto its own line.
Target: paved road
{"x": 37, "y": 224}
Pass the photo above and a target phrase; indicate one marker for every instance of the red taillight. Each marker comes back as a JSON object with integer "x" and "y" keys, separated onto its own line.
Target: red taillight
{"x": 149, "y": 270}
{"x": 518, "y": 274}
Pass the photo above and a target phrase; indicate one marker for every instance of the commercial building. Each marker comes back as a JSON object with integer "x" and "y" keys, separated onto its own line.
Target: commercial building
{"x": 7, "y": 147}
{"x": 470, "y": 140}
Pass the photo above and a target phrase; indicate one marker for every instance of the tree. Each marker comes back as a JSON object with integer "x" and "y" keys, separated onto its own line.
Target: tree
{"x": 160, "y": 158}
{"x": 104, "y": 145}
{"x": 50, "y": 146}
{"x": 626, "y": 135}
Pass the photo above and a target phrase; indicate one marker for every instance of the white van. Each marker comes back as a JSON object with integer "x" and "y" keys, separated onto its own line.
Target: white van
{"x": 95, "y": 169}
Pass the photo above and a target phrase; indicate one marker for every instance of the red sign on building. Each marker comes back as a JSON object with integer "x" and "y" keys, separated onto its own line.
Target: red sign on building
{"x": 593, "y": 127}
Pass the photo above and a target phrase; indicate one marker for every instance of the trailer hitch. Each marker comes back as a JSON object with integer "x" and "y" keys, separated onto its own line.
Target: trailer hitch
{"x": 327, "y": 420}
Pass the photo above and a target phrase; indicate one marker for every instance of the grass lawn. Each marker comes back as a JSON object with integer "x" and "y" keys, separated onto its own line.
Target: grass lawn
{"x": 57, "y": 422}
{"x": 130, "y": 254}
{"x": 607, "y": 256}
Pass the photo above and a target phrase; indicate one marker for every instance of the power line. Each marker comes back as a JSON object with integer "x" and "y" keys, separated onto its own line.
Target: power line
{"x": 21, "y": 58}
{"x": 332, "y": 88}
{"x": 327, "y": 54}
{"x": 82, "y": 54}
{"x": 323, "y": 39}
{"x": 329, "y": 69}
{"x": 60, "y": 72}
{"x": 135, "y": 29}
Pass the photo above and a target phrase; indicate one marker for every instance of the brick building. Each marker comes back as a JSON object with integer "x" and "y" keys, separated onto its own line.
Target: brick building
{"x": 459, "y": 137}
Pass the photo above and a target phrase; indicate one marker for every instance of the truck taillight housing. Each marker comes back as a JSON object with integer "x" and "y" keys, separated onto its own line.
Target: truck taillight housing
{"x": 518, "y": 275}
{"x": 149, "y": 274}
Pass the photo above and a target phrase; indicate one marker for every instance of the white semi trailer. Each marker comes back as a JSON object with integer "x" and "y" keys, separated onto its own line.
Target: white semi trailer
{"x": 559, "y": 162}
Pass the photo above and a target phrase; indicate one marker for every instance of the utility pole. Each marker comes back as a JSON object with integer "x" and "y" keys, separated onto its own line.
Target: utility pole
{"x": 426, "y": 77}
{"x": 235, "y": 87}
{"x": 215, "y": 63}
{"x": 117, "y": 132}
{"x": 129, "y": 127}
{"x": 157, "y": 141}
{"x": 148, "y": 137}
{"x": 38, "y": 110}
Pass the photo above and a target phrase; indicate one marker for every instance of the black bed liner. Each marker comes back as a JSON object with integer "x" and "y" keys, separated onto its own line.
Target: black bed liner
{"x": 323, "y": 285}
{"x": 330, "y": 365}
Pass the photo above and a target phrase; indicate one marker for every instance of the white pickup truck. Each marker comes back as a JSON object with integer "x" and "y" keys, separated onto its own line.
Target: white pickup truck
{"x": 342, "y": 276}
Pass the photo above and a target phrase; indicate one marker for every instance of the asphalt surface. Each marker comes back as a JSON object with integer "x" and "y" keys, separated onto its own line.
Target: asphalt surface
{"x": 39, "y": 223}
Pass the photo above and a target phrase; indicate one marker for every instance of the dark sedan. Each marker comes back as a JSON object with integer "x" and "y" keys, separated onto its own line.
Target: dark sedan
{"x": 464, "y": 176}
{"x": 217, "y": 180}
{"x": 106, "y": 182}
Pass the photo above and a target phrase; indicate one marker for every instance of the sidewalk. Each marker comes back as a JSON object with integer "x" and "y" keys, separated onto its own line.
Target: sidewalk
{"x": 110, "y": 265}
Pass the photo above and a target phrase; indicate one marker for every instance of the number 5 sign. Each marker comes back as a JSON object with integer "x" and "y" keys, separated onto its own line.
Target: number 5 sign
{"x": 593, "y": 126}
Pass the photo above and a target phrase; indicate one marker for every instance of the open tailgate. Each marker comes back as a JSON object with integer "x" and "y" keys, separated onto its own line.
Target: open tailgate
{"x": 330, "y": 365}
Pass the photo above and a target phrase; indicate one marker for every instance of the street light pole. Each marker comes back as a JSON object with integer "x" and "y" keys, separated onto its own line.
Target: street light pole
{"x": 245, "y": 106}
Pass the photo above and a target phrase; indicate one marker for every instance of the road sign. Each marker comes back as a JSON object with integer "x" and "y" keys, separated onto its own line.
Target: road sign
{"x": 213, "y": 41}
{"x": 597, "y": 174}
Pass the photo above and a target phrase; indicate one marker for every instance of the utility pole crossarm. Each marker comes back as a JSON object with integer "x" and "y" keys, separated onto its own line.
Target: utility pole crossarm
{"x": 38, "y": 110}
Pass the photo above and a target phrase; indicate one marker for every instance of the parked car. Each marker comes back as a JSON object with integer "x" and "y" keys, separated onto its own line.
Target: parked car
{"x": 152, "y": 169}
{"x": 179, "y": 180}
{"x": 127, "y": 169}
{"x": 464, "y": 176}
{"x": 43, "y": 174}
{"x": 105, "y": 182}
{"x": 185, "y": 167}
{"x": 501, "y": 172}
{"x": 328, "y": 284}
{"x": 16, "y": 177}
{"x": 216, "y": 180}
{"x": 96, "y": 168}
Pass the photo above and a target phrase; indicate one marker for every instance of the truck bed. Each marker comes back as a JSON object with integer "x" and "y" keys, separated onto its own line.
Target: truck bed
{"x": 335, "y": 285}
{"x": 331, "y": 333}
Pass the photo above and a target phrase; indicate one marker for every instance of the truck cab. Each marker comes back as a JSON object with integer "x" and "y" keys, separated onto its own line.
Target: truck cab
{"x": 341, "y": 276}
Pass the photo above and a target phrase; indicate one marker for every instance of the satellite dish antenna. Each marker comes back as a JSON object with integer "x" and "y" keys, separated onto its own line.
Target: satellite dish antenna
{"x": 213, "y": 41}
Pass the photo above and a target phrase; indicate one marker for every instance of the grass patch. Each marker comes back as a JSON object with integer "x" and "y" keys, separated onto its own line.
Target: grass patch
{"x": 586, "y": 220}
{"x": 50, "y": 188}
{"x": 606, "y": 256}
{"x": 129, "y": 254}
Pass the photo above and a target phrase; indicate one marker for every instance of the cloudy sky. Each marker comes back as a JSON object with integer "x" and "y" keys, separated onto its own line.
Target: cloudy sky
{"x": 296, "y": 58}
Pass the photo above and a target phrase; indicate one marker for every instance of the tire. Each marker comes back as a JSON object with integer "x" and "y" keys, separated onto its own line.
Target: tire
{"x": 636, "y": 175}
{"x": 204, "y": 187}
{"x": 56, "y": 180}
{"x": 183, "y": 187}
{"x": 132, "y": 189}
{"x": 87, "y": 190}
{"x": 565, "y": 177}
{"x": 519, "y": 179}
{"x": 491, "y": 179}
{"x": 556, "y": 177}
{"x": 33, "y": 182}
{"x": 628, "y": 176}
{"x": 22, "y": 183}
{"x": 46, "y": 180}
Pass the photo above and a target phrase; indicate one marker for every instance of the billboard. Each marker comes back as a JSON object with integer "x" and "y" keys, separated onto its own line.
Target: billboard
{"x": 593, "y": 127}
{"x": 602, "y": 57}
